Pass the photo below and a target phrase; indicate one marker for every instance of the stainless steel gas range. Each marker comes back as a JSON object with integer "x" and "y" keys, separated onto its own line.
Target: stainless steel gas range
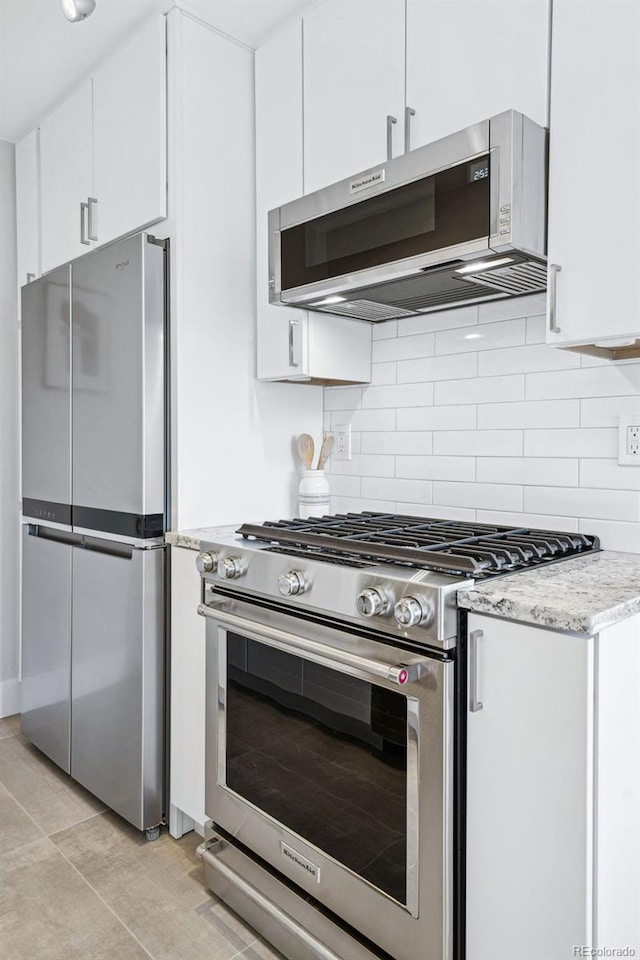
{"x": 336, "y": 705}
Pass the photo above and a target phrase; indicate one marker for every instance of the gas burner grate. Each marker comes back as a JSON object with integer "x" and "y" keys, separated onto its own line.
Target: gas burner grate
{"x": 452, "y": 546}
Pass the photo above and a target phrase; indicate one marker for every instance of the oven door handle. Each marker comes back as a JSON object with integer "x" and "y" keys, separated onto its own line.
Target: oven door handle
{"x": 328, "y": 656}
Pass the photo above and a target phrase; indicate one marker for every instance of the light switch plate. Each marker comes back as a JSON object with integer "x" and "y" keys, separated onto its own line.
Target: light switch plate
{"x": 629, "y": 439}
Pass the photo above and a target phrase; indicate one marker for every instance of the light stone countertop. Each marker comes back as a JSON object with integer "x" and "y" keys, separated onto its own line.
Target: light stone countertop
{"x": 583, "y": 595}
{"x": 191, "y": 539}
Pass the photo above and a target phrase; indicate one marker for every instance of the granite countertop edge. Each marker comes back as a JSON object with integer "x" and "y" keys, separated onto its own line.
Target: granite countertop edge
{"x": 192, "y": 539}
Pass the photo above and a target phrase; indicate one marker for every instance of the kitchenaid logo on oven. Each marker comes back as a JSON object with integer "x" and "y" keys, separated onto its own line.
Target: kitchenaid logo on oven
{"x": 300, "y": 861}
{"x": 364, "y": 183}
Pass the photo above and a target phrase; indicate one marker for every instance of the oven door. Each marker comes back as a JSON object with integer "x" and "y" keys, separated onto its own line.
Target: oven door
{"x": 329, "y": 756}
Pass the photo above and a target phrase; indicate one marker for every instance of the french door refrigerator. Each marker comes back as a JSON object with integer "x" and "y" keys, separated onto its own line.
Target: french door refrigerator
{"x": 94, "y": 505}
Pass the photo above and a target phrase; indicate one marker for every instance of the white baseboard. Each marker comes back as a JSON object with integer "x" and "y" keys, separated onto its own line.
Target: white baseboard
{"x": 9, "y": 698}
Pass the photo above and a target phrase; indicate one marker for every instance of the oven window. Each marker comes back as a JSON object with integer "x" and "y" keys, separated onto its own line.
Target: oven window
{"x": 323, "y": 753}
{"x": 439, "y": 211}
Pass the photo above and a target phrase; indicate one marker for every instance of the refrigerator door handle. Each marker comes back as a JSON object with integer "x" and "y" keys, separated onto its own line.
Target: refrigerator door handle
{"x": 113, "y": 548}
{"x": 49, "y": 533}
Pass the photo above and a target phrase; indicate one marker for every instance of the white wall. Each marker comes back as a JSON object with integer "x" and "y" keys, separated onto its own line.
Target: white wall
{"x": 9, "y": 529}
{"x": 471, "y": 415}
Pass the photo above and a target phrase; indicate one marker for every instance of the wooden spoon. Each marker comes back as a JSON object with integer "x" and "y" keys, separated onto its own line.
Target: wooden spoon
{"x": 325, "y": 450}
{"x": 305, "y": 450}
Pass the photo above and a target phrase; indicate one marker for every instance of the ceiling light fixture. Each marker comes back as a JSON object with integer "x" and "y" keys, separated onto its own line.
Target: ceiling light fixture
{"x": 75, "y": 10}
{"x": 478, "y": 266}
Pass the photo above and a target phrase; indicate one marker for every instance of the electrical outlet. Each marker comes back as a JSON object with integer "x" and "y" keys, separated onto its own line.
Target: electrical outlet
{"x": 342, "y": 447}
{"x": 629, "y": 439}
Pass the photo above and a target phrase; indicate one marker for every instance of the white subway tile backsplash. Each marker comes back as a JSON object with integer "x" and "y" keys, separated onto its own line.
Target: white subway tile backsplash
{"x": 486, "y": 336}
{"x": 599, "y": 442}
{"x": 441, "y": 320}
{"x": 404, "y": 348}
{"x": 398, "y": 395}
{"x": 436, "y": 468}
{"x": 530, "y": 306}
{"x": 536, "y": 520}
{"x": 530, "y": 358}
{"x": 604, "y": 411}
{"x": 496, "y": 443}
{"x": 487, "y": 390}
{"x": 528, "y": 470}
{"x": 453, "y": 367}
{"x": 364, "y": 465}
{"x": 397, "y": 442}
{"x": 437, "y": 418}
{"x": 404, "y": 491}
{"x": 598, "y": 504}
{"x": 362, "y": 420}
{"x": 613, "y": 380}
{"x": 613, "y": 534}
{"x": 478, "y": 495}
{"x": 470, "y": 409}
{"x": 384, "y": 372}
{"x": 609, "y": 474}
{"x": 530, "y": 413}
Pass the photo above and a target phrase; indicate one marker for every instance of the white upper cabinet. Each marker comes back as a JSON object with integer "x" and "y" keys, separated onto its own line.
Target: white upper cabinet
{"x": 103, "y": 152}
{"x": 472, "y": 59}
{"x": 353, "y": 80}
{"x": 293, "y": 345}
{"x": 129, "y": 134}
{"x": 27, "y": 208}
{"x": 66, "y": 180}
{"x": 594, "y": 157}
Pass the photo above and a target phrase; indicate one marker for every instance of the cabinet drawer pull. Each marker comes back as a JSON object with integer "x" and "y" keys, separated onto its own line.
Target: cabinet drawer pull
{"x": 554, "y": 270}
{"x": 90, "y": 233}
{"x": 294, "y": 355}
{"x": 83, "y": 207}
{"x": 390, "y": 122}
{"x": 474, "y": 703}
{"x": 408, "y": 113}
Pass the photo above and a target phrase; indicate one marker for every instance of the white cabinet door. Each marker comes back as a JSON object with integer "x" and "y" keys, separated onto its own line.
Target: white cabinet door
{"x": 472, "y": 59}
{"x": 529, "y": 790}
{"x": 293, "y": 345}
{"x": 594, "y": 157}
{"x": 353, "y": 79}
{"x": 28, "y": 208}
{"x": 65, "y": 178}
{"x": 186, "y": 783}
{"x": 129, "y": 135}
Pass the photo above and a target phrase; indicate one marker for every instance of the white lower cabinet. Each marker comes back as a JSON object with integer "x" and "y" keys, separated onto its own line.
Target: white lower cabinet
{"x": 553, "y": 781}
{"x": 187, "y": 751}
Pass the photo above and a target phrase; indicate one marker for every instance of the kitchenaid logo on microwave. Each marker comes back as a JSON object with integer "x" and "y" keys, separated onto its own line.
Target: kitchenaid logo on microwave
{"x": 123, "y": 264}
{"x": 364, "y": 183}
{"x": 300, "y": 861}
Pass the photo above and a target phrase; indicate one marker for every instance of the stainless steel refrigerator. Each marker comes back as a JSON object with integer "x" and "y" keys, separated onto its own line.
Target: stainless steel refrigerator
{"x": 94, "y": 505}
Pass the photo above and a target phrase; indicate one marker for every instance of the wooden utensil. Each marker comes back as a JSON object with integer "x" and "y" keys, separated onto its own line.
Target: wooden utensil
{"x": 325, "y": 450}
{"x": 306, "y": 449}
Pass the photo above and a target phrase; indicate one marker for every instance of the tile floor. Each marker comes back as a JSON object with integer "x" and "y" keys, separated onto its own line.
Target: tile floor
{"x": 78, "y": 883}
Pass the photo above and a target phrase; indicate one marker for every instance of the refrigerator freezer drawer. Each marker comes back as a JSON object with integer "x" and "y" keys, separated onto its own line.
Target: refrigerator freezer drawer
{"x": 118, "y": 676}
{"x": 46, "y": 641}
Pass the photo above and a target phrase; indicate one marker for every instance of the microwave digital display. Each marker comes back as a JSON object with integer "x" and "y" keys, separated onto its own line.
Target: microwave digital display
{"x": 433, "y": 212}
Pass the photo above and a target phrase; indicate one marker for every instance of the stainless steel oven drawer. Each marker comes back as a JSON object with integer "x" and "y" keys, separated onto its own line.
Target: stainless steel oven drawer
{"x": 292, "y": 924}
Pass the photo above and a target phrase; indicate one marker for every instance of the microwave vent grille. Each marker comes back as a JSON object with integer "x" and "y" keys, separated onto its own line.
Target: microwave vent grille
{"x": 366, "y": 310}
{"x": 527, "y": 277}
{"x": 443, "y": 297}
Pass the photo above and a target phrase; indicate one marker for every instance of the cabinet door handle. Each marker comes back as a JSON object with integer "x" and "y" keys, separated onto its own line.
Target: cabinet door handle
{"x": 293, "y": 353}
{"x": 90, "y": 233}
{"x": 554, "y": 270}
{"x": 408, "y": 113}
{"x": 474, "y": 703}
{"x": 390, "y": 122}
{"x": 83, "y": 207}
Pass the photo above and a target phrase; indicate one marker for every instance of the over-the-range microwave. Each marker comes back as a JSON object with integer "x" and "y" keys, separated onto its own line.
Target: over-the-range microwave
{"x": 459, "y": 221}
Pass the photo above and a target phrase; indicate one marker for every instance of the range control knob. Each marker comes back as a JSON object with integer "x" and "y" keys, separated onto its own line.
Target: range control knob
{"x": 205, "y": 563}
{"x": 230, "y": 568}
{"x": 291, "y": 583}
{"x": 372, "y": 603}
{"x": 413, "y": 611}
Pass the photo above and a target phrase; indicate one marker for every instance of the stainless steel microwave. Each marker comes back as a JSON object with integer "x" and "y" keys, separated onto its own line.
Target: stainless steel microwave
{"x": 459, "y": 221}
